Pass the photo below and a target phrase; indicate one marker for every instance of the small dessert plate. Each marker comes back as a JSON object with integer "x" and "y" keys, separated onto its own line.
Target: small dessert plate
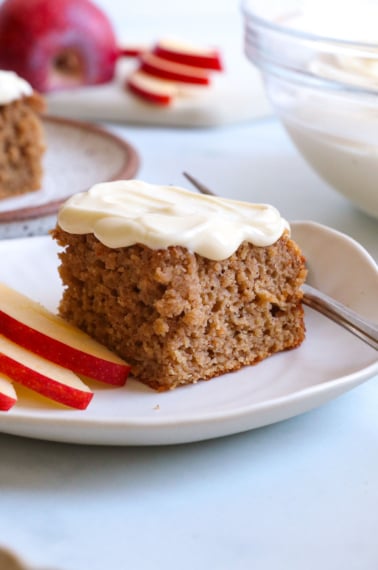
{"x": 78, "y": 155}
{"x": 330, "y": 361}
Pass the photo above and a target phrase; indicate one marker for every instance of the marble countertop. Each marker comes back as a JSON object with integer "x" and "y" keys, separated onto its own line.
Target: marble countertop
{"x": 300, "y": 494}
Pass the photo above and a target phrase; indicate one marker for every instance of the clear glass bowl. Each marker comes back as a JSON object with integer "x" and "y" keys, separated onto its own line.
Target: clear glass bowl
{"x": 322, "y": 82}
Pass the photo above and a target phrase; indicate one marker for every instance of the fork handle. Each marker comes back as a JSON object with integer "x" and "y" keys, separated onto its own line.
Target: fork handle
{"x": 347, "y": 318}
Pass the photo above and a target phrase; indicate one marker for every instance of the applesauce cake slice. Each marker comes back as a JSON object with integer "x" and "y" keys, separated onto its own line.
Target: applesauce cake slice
{"x": 184, "y": 287}
{"x": 21, "y": 136}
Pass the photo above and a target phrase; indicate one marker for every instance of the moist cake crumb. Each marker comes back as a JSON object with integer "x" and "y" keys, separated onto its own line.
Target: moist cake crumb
{"x": 177, "y": 317}
{"x": 21, "y": 146}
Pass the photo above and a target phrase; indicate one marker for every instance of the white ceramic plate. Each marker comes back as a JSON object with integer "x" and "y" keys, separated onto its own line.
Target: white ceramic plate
{"x": 77, "y": 156}
{"x": 237, "y": 94}
{"x": 329, "y": 362}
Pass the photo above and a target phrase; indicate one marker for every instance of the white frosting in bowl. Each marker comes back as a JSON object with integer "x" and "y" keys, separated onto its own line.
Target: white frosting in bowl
{"x": 126, "y": 212}
{"x": 355, "y": 58}
{"x": 351, "y": 20}
{"x": 13, "y": 87}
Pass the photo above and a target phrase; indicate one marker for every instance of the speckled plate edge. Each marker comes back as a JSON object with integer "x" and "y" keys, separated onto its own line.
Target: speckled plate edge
{"x": 127, "y": 170}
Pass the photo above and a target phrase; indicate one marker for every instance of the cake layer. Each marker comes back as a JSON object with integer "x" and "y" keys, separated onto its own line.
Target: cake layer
{"x": 178, "y": 317}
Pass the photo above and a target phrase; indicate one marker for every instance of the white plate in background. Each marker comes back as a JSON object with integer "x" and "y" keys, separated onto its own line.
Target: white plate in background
{"x": 235, "y": 95}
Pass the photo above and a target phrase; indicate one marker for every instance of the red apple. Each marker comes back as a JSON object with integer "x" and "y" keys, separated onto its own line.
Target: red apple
{"x": 8, "y": 396}
{"x": 165, "y": 69}
{"x": 56, "y": 44}
{"x": 187, "y": 54}
{"x": 42, "y": 376}
{"x": 33, "y": 327}
{"x": 152, "y": 89}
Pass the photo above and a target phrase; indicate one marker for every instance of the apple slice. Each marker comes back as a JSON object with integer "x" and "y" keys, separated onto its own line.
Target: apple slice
{"x": 187, "y": 54}
{"x": 159, "y": 67}
{"x": 8, "y": 396}
{"x": 154, "y": 90}
{"x": 131, "y": 50}
{"x": 42, "y": 376}
{"x": 32, "y": 326}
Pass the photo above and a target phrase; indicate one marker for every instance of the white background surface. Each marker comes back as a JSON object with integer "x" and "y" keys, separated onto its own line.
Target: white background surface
{"x": 302, "y": 494}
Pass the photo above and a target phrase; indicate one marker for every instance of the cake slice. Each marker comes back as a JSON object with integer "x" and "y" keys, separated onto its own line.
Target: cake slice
{"x": 21, "y": 136}
{"x": 185, "y": 287}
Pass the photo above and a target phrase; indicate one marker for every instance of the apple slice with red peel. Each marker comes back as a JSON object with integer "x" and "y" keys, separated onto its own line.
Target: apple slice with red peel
{"x": 8, "y": 396}
{"x": 164, "y": 69}
{"x": 33, "y": 327}
{"x": 42, "y": 376}
{"x": 152, "y": 89}
{"x": 188, "y": 54}
{"x": 131, "y": 50}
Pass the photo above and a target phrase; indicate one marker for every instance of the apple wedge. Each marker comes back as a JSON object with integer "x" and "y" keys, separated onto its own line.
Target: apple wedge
{"x": 8, "y": 396}
{"x": 188, "y": 54}
{"x": 33, "y": 327}
{"x": 42, "y": 376}
{"x": 154, "y": 90}
{"x": 164, "y": 69}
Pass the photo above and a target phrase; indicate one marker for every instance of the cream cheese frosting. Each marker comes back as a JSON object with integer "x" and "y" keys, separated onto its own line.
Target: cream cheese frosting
{"x": 355, "y": 22}
{"x": 126, "y": 212}
{"x": 13, "y": 87}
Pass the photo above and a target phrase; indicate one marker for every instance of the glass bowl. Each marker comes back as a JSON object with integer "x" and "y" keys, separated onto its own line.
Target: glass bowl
{"x": 322, "y": 81}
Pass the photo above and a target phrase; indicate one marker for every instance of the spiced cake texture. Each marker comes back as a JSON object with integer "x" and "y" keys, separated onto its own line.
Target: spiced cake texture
{"x": 21, "y": 146}
{"x": 178, "y": 317}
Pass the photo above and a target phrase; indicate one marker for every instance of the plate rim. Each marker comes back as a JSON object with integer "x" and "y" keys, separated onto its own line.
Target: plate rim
{"x": 353, "y": 379}
{"x": 128, "y": 169}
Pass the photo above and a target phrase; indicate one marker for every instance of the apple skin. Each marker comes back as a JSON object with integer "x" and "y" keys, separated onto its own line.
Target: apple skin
{"x": 205, "y": 58}
{"x": 46, "y": 378}
{"x": 164, "y": 69}
{"x": 70, "y": 357}
{"x": 33, "y": 327}
{"x": 35, "y": 34}
{"x": 8, "y": 396}
{"x": 154, "y": 90}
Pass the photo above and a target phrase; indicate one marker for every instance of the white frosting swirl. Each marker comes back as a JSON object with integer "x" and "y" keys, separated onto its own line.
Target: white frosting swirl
{"x": 13, "y": 87}
{"x": 127, "y": 212}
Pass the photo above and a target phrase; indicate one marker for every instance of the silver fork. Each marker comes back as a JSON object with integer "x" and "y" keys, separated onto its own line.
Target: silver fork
{"x": 312, "y": 297}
